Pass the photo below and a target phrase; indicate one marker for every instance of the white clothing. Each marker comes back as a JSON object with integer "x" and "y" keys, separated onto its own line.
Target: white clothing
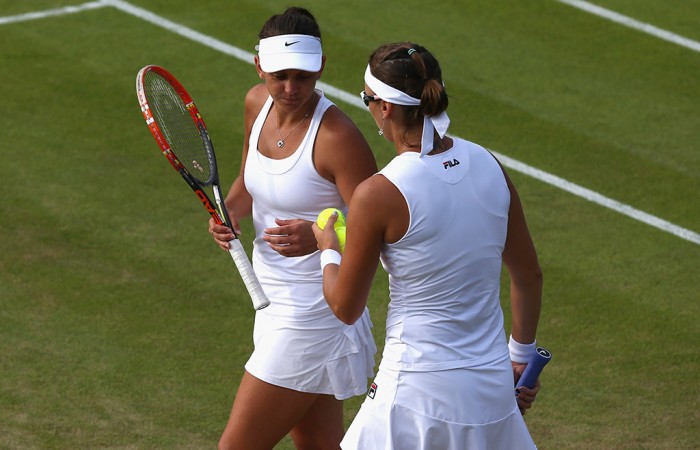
{"x": 299, "y": 343}
{"x": 445, "y": 380}
{"x": 444, "y": 274}
{"x": 322, "y": 359}
{"x": 456, "y": 409}
{"x": 289, "y": 188}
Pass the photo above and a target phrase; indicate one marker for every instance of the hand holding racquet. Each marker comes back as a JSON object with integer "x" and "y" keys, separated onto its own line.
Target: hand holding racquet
{"x": 179, "y": 130}
{"x": 533, "y": 369}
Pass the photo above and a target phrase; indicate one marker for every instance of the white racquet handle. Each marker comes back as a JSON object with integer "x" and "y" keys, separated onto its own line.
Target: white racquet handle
{"x": 240, "y": 257}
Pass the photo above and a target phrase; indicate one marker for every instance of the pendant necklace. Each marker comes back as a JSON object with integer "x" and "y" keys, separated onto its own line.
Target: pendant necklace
{"x": 280, "y": 143}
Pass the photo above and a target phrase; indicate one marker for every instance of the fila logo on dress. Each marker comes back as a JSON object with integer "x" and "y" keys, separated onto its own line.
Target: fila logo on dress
{"x": 372, "y": 390}
{"x": 448, "y": 164}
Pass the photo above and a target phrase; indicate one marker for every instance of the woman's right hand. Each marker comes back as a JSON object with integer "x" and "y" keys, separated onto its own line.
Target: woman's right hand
{"x": 221, "y": 234}
{"x": 327, "y": 238}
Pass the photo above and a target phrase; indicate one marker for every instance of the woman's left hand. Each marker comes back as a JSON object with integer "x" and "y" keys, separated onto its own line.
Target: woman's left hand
{"x": 526, "y": 396}
{"x": 291, "y": 237}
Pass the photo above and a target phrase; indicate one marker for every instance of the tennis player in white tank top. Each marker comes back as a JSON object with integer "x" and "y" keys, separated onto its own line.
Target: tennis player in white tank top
{"x": 442, "y": 216}
{"x": 301, "y": 155}
{"x": 299, "y": 343}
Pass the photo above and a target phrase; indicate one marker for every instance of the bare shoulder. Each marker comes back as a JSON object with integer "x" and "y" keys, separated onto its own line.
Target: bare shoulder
{"x": 255, "y": 99}
{"x": 389, "y": 216}
{"x": 376, "y": 193}
{"x": 341, "y": 153}
{"x": 338, "y": 135}
{"x": 336, "y": 124}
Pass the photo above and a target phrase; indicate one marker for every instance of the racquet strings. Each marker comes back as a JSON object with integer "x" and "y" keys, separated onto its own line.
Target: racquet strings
{"x": 180, "y": 130}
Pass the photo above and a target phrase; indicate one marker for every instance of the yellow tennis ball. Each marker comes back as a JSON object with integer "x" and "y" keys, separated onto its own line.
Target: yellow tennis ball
{"x": 340, "y": 232}
{"x": 339, "y": 224}
{"x": 326, "y": 213}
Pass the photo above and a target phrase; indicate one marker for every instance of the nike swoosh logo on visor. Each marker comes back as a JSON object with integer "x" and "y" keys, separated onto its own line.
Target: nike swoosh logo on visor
{"x": 287, "y": 44}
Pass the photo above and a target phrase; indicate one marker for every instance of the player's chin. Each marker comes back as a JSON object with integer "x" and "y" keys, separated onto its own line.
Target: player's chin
{"x": 291, "y": 103}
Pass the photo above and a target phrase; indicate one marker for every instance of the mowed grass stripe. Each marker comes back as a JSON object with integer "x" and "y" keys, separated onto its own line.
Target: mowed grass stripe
{"x": 125, "y": 331}
{"x": 511, "y": 163}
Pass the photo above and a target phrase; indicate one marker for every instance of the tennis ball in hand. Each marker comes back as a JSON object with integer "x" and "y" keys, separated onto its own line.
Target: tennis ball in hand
{"x": 340, "y": 232}
{"x": 326, "y": 213}
{"x": 339, "y": 225}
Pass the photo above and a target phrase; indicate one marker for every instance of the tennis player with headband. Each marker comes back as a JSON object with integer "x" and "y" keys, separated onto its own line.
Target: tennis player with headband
{"x": 301, "y": 155}
{"x": 442, "y": 217}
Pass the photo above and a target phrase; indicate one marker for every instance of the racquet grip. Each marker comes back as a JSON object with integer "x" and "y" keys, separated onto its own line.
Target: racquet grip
{"x": 533, "y": 369}
{"x": 240, "y": 257}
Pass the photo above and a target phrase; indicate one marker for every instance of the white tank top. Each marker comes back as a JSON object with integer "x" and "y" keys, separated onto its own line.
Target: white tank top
{"x": 288, "y": 188}
{"x": 444, "y": 274}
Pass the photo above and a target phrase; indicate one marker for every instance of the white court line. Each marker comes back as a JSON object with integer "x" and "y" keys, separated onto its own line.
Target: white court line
{"x": 599, "y": 199}
{"x": 633, "y": 23}
{"x": 354, "y": 100}
{"x": 51, "y": 12}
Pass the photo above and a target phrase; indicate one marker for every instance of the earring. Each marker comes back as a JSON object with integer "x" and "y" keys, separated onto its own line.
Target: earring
{"x": 381, "y": 130}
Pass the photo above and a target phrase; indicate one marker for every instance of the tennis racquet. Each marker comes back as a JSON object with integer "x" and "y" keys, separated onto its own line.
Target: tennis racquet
{"x": 179, "y": 130}
{"x": 533, "y": 369}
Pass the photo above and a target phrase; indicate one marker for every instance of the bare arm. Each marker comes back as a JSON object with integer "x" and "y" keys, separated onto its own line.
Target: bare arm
{"x": 520, "y": 258}
{"x": 238, "y": 201}
{"x": 378, "y": 214}
{"x": 342, "y": 155}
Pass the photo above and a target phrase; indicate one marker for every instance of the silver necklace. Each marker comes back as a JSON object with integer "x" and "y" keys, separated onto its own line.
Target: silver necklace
{"x": 280, "y": 143}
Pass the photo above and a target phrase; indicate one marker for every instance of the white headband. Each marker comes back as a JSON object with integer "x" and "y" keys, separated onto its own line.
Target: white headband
{"x": 290, "y": 51}
{"x": 393, "y": 95}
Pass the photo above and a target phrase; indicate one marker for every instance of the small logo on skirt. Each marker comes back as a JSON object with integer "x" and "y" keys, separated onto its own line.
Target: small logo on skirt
{"x": 372, "y": 390}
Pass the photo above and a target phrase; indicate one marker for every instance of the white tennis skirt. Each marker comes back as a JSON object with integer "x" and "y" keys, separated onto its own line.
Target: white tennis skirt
{"x": 323, "y": 356}
{"x": 456, "y": 409}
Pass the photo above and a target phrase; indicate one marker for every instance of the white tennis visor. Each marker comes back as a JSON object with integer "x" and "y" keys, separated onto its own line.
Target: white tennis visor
{"x": 290, "y": 51}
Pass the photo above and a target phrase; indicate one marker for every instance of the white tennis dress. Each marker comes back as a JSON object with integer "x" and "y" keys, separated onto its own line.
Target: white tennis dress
{"x": 299, "y": 343}
{"x": 445, "y": 380}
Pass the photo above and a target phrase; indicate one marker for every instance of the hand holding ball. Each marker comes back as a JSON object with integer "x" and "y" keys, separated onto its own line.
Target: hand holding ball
{"x": 326, "y": 213}
{"x": 339, "y": 224}
{"x": 340, "y": 232}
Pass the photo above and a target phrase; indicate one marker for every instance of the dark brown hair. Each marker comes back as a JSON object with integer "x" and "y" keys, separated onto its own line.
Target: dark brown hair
{"x": 412, "y": 69}
{"x": 294, "y": 20}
